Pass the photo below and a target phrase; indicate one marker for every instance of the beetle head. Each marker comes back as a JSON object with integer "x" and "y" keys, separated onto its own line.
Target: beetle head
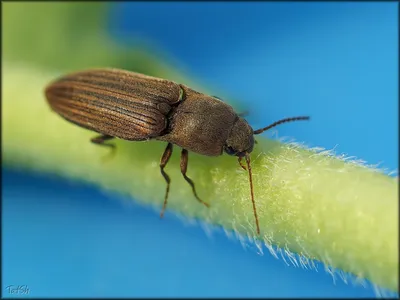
{"x": 240, "y": 140}
{"x": 240, "y": 143}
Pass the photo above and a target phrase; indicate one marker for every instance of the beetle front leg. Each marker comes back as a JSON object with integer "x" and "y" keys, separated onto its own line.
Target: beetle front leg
{"x": 241, "y": 163}
{"x": 184, "y": 164}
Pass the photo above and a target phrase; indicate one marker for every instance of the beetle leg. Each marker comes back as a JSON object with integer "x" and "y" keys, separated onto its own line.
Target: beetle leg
{"x": 241, "y": 163}
{"x": 99, "y": 140}
{"x": 184, "y": 164}
{"x": 164, "y": 160}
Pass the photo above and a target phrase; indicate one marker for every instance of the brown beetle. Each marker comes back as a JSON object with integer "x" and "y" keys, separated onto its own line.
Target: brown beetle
{"x": 135, "y": 107}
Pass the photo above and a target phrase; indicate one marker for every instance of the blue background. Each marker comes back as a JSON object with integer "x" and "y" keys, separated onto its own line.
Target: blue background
{"x": 337, "y": 62}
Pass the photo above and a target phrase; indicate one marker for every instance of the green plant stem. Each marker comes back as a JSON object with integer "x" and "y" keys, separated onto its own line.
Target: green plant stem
{"x": 308, "y": 202}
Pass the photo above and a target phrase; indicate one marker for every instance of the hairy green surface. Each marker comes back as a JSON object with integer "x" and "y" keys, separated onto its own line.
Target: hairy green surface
{"x": 308, "y": 202}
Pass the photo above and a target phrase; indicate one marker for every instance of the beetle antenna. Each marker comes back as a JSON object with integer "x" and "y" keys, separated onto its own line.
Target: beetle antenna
{"x": 251, "y": 191}
{"x": 258, "y": 131}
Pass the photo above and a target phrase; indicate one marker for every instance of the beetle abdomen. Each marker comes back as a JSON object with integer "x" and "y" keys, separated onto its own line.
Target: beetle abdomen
{"x": 118, "y": 103}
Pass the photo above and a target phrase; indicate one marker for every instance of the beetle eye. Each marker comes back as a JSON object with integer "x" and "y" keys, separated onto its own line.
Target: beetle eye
{"x": 229, "y": 150}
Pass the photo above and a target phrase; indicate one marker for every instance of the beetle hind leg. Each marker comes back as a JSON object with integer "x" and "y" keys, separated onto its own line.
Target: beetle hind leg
{"x": 184, "y": 164}
{"x": 99, "y": 140}
{"x": 164, "y": 160}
